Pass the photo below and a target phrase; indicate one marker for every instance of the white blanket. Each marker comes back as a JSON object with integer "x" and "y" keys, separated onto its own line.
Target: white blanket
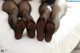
{"x": 64, "y": 40}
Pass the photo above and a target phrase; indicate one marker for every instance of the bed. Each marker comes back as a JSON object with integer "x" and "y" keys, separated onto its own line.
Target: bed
{"x": 64, "y": 40}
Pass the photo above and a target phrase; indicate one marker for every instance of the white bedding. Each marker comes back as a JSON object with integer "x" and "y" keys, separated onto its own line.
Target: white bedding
{"x": 64, "y": 40}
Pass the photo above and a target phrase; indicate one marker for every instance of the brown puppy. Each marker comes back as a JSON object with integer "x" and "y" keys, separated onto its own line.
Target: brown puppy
{"x": 22, "y": 9}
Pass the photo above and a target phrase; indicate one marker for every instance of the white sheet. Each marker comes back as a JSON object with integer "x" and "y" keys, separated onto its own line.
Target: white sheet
{"x": 64, "y": 40}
